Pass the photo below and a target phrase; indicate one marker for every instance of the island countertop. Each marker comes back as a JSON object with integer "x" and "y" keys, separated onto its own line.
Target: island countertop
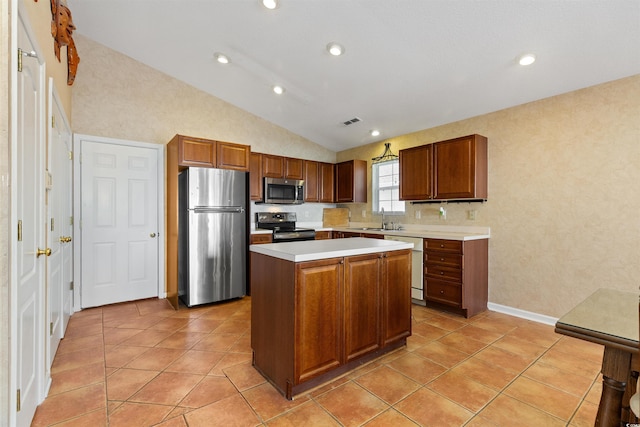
{"x": 312, "y": 250}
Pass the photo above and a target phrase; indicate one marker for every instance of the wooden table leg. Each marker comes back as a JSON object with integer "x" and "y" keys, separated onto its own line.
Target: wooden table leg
{"x": 616, "y": 364}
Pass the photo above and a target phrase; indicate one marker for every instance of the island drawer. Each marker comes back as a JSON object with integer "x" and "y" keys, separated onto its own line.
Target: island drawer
{"x": 443, "y": 258}
{"x": 454, "y": 246}
{"x": 444, "y": 292}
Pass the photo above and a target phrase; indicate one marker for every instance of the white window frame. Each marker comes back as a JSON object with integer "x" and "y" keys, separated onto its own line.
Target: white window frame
{"x": 375, "y": 190}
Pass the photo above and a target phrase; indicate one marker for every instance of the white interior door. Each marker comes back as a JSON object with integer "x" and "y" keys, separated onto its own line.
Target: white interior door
{"x": 28, "y": 212}
{"x": 119, "y": 208}
{"x": 59, "y": 210}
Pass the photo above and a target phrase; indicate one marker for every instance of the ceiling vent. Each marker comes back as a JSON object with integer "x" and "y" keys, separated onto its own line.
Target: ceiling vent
{"x": 352, "y": 121}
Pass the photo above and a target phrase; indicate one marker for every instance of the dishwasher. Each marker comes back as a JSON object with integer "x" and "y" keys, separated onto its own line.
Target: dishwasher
{"x": 417, "y": 273}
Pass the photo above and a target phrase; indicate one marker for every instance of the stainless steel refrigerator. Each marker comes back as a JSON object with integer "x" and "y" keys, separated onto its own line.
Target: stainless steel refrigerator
{"x": 213, "y": 236}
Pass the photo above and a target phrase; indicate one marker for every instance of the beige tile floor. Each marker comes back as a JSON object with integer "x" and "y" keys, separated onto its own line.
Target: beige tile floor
{"x": 144, "y": 364}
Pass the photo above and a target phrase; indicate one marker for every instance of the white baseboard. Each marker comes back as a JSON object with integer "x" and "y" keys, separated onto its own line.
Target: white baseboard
{"x": 535, "y": 317}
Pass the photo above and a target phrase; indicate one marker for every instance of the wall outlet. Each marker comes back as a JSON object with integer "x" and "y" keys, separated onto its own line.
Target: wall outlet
{"x": 418, "y": 214}
{"x": 471, "y": 214}
{"x": 443, "y": 213}
{"x": 364, "y": 213}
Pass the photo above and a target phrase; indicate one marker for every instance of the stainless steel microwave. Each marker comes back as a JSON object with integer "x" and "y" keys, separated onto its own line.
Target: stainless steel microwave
{"x": 283, "y": 191}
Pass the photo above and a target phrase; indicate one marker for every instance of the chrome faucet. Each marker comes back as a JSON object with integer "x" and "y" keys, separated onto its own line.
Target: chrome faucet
{"x": 382, "y": 211}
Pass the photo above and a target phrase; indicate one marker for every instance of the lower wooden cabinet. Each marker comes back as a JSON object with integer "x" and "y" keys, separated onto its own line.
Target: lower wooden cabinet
{"x": 324, "y": 235}
{"x": 456, "y": 275}
{"x": 257, "y": 239}
{"x": 318, "y": 318}
{"x": 313, "y": 320}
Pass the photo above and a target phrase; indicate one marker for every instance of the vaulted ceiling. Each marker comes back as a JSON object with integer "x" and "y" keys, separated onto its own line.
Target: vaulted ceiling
{"x": 408, "y": 64}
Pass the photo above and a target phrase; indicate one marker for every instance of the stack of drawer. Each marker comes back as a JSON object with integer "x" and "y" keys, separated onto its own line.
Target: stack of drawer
{"x": 456, "y": 274}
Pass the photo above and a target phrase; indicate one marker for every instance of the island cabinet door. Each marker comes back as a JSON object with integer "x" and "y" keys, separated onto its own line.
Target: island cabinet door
{"x": 396, "y": 296}
{"x": 318, "y": 318}
{"x": 362, "y": 304}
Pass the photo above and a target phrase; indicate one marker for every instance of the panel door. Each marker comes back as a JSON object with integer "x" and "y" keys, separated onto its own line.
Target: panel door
{"x": 29, "y": 215}
{"x": 59, "y": 236}
{"x": 311, "y": 184}
{"x": 415, "y": 173}
{"x": 318, "y": 318}
{"x": 396, "y": 288}
{"x": 119, "y": 191}
{"x": 454, "y": 169}
{"x": 362, "y": 304}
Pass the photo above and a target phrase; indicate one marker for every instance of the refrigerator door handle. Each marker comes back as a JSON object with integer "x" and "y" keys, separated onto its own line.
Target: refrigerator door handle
{"x": 218, "y": 209}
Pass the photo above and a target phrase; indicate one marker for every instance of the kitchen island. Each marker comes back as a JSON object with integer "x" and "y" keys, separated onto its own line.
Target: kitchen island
{"x": 323, "y": 307}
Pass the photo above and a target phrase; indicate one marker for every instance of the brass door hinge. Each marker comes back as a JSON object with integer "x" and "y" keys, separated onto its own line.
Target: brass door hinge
{"x": 71, "y": 283}
{"x": 18, "y": 401}
{"x": 50, "y": 328}
{"x": 70, "y": 155}
{"x": 53, "y": 121}
{"x": 22, "y": 53}
{"x": 19, "y": 230}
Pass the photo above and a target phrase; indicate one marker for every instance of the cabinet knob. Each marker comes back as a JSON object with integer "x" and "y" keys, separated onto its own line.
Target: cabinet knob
{"x": 442, "y": 246}
{"x": 442, "y": 292}
{"x": 441, "y": 259}
{"x": 442, "y": 273}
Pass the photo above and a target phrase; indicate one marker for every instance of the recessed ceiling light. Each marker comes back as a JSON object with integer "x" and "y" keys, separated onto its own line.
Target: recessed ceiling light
{"x": 375, "y": 132}
{"x": 270, "y": 4}
{"x": 335, "y": 49}
{"x": 221, "y": 58}
{"x": 527, "y": 59}
{"x": 278, "y": 89}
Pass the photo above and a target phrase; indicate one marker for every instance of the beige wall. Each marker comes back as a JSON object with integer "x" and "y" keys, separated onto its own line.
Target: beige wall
{"x": 40, "y": 18}
{"x": 117, "y": 97}
{"x": 564, "y": 195}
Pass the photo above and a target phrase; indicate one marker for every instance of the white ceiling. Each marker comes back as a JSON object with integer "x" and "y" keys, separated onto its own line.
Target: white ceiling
{"x": 409, "y": 64}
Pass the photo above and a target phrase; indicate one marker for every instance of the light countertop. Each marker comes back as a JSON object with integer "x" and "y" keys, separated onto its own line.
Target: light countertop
{"x": 424, "y": 232}
{"x": 312, "y": 250}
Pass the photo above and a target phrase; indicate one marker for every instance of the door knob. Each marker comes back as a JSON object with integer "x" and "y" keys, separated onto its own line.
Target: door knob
{"x": 46, "y": 252}
{"x": 152, "y": 234}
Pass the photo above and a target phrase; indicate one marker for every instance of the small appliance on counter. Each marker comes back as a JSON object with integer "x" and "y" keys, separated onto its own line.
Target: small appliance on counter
{"x": 283, "y": 225}
{"x": 213, "y": 236}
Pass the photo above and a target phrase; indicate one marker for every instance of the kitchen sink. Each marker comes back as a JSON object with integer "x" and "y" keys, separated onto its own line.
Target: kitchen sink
{"x": 367, "y": 229}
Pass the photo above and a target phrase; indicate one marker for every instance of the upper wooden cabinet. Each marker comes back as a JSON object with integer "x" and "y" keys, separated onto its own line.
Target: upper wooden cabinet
{"x": 460, "y": 168}
{"x": 415, "y": 173}
{"x": 195, "y": 151}
{"x": 455, "y": 169}
{"x": 311, "y": 181}
{"x": 255, "y": 177}
{"x": 272, "y": 166}
{"x": 232, "y": 156}
{"x": 207, "y": 153}
{"x": 282, "y": 167}
{"x": 325, "y": 182}
{"x": 351, "y": 181}
{"x": 293, "y": 168}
